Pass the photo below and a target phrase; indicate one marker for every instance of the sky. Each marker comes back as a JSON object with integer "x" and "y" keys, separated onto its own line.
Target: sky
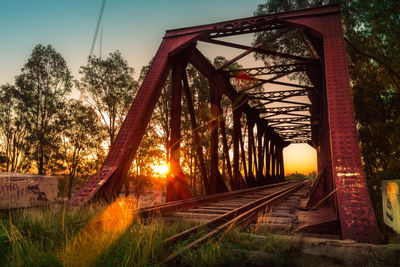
{"x": 135, "y": 28}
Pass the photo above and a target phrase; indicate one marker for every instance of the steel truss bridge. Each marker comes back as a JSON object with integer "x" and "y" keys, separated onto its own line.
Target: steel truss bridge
{"x": 272, "y": 119}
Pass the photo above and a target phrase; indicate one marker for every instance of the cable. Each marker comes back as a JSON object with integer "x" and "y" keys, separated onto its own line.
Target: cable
{"x": 97, "y": 26}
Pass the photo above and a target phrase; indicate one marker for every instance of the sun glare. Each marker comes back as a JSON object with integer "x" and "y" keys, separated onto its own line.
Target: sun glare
{"x": 300, "y": 158}
{"x": 161, "y": 169}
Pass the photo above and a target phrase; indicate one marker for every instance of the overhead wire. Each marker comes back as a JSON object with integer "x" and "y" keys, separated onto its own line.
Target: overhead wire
{"x": 97, "y": 26}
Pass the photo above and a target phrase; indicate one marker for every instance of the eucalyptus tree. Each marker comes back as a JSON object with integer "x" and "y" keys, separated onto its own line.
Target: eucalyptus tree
{"x": 109, "y": 87}
{"x": 81, "y": 135}
{"x": 372, "y": 32}
{"x": 41, "y": 89}
{"x": 14, "y": 130}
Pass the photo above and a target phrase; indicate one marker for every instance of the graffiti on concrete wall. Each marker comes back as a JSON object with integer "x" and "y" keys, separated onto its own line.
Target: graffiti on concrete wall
{"x": 391, "y": 204}
{"x": 26, "y": 191}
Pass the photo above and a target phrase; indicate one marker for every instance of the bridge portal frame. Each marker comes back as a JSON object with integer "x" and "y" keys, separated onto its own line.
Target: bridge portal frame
{"x": 341, "y": 183}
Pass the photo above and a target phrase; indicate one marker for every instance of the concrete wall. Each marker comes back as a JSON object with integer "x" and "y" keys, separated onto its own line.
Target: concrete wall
{"x": 26, "y": 190}
{"x": 391, "y": 203}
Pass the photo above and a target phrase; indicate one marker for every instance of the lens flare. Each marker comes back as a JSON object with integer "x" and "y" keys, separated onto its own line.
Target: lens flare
{"x": 99, "y": 234}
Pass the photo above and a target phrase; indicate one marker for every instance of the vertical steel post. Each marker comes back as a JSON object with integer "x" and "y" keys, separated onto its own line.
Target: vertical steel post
{"x": 260, "y": 134}
{"x": 273, "y": 160}
{"x": 281, "y": 164}
{"x": 357, "y": 218}
{"x": 225, "y": 146}
{"x": 177, "y": 186}
{"x": 236, "y": 136}
{"x": 199, "y": 149}
{"x": 214, "y": 160}
{"x": 250, "y": 151}
{"x": 268, "y": 158}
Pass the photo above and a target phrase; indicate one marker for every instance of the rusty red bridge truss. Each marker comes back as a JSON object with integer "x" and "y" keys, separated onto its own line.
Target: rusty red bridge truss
{"x": 326, "y": 121}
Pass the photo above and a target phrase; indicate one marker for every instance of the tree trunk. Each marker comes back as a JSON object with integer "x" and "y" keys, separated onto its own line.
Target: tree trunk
{"x": 71, "y": 179}
{"x": 41, "y": 159}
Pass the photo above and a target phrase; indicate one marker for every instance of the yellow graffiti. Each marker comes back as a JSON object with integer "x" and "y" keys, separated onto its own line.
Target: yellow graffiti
{"x": 392, "y": 190}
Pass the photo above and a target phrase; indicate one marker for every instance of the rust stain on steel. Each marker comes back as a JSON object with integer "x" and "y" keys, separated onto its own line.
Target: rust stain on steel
{"x": 335, "y": 136}
{"x": 109, "y": 179}
{"x": 357, "y": 217}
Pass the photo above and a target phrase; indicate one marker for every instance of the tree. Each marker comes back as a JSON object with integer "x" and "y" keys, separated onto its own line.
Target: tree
{"x": 108, "y": 86}
{"x": 161, "y": 114}
{"x": 81, "y": 134}
{"x": 14, "y": 130}
{"x": 292, "y": 41}
{"x": 372, "y": 34}
{"x": 42, "y": 89}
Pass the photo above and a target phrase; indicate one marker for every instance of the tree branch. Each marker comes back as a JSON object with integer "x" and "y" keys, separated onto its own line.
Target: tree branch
{"x": 373, "y": 57}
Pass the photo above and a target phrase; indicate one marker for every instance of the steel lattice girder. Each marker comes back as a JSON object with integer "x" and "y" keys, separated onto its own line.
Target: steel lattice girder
{"x": 275, "y": 94}
{"x": 344, "y": 169}
{"x": 284, "y": 110}
{"x": 278, "y": 69}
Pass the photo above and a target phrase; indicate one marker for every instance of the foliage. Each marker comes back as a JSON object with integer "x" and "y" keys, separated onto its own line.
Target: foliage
{"x": 373, "y": 36}
{"x": 159, "y": 126}
{"x": 292, "y": 41}
{"x": 81, "y": 134}
{"x": 108, "y": 85}
{"x": 14, "y": 129}
{"x": 372, "y": 33}
{"x": 3, "y": 158}
{"x": 41, "y": 89}
{"x": 299, "y": 176}
{"x": 41, "y": 131}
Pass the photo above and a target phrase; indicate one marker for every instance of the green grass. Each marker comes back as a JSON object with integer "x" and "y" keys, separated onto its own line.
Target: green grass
{"x": 48, "y": 237}
{"x": 224, "y": 251}
{"x": 55, "y": 236}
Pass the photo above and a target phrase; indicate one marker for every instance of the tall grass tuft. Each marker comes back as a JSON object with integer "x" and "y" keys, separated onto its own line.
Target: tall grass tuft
{"x": 53, "y": 237}
{"x": 224, "y": 251}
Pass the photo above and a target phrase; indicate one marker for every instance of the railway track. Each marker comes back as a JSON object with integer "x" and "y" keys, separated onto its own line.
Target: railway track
{"x": 216, "y": 213}
{"x": 166, "y": 209}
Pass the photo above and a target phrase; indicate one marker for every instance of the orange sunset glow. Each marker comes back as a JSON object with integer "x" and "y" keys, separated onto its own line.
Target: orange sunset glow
{"x": 301, "y": 158}
{"x": 161, "y": 170}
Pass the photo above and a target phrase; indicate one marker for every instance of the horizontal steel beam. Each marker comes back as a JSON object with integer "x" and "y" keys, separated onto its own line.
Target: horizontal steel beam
{"x": 299, "y": 141}
{"x": 281, "y": 100}
{"x": 284, "y": 128}
{"x": 288, "y": 114}
{"x": 282, "y": 110}
{"x": 267, "y": 70}
{"x": 291, "y": 124}
{"x": 258, "y": 50}
{"x": 238, "y": 31}
{"x": 288, "y": 120}
{"x": 274, "y": 94}
{"x": 245, "y": 53}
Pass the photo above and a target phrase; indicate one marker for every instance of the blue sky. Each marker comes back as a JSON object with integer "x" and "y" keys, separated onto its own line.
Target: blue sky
{"x": 133, "y": 27}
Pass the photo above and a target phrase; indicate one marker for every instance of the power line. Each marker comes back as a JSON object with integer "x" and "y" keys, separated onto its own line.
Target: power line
{"x": 97, "y": 26}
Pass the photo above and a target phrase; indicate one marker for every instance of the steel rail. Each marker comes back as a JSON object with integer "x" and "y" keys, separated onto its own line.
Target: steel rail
{"x": 174, "y": 206}
{"x": 237, "y": 216}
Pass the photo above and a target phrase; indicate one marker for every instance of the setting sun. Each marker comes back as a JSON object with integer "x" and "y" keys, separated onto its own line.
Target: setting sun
{"x": 161, "y": 169}
{"x": 300, "y": 158}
